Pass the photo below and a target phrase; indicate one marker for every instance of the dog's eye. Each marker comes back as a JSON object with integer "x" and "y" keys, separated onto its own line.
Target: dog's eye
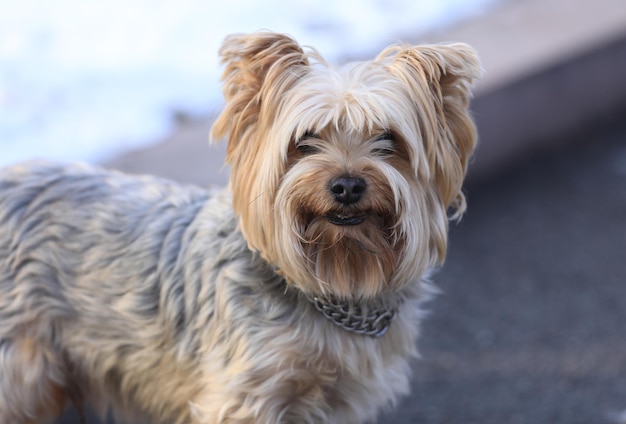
{"x": 384, "y": 144}
{"x": 307, "y": 148}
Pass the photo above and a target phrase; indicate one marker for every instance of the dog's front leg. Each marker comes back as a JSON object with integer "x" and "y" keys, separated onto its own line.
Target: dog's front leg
{"x": 264, "y": 400}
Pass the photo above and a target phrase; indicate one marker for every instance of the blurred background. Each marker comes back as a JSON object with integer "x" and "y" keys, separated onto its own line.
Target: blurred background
{"x": 92, "y": 79}
{"x": 531, "y": 324}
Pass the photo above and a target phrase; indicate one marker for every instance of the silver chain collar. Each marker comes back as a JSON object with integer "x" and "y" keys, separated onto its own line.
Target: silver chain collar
{"x": 359, "y": 319}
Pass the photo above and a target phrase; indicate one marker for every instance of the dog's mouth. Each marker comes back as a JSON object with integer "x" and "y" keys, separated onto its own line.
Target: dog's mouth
{"x": 344, "y": 220}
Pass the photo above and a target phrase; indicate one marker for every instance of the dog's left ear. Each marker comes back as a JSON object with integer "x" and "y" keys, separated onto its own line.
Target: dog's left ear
{"x": 258, "y": 68}
{"x": 443, "y": 74}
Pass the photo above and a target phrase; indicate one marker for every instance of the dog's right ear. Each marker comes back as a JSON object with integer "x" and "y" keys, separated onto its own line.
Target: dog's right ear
{"x": 258, "y": 68}
{"x": 441, "y": 76}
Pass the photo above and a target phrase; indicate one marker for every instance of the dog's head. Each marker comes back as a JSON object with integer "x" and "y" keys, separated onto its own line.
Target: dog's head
{"x": 344, "y": 178}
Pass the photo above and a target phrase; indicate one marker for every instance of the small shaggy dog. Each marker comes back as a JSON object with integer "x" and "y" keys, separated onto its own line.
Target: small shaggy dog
{"x": 292, "y": 297}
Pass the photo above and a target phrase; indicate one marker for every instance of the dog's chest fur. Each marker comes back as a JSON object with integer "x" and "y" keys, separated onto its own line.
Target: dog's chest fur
{"x": 151, "y": 301}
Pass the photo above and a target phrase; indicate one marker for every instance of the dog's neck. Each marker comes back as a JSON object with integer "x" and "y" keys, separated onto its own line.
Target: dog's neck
{"x": 369, "y": 318}
{"x": 361, "y": 318}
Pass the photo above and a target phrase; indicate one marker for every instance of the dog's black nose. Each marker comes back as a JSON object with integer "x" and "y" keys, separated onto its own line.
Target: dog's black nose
{"x": 347, "y": 189}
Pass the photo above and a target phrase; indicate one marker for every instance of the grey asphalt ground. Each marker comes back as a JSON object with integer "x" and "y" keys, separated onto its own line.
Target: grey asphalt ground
{"x": 531, "y": 325}
{"x": 531, "y": 328}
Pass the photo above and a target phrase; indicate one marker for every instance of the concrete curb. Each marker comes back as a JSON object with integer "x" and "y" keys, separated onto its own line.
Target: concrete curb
{"x": 545, "y": 108}
{"x": 552, "y": 67}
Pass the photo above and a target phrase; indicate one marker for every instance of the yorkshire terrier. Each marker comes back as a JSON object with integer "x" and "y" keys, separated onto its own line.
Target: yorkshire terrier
{"x": 294, "y": 296}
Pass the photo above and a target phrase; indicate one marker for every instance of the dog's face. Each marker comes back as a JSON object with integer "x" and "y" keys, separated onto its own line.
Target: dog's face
{"x": 343, "y": 178}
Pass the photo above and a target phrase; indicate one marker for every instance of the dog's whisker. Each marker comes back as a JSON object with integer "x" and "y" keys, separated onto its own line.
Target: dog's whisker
{"x": 260, "y": 195}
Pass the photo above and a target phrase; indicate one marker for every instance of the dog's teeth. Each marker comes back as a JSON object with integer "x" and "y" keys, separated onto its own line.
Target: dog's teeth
{"x": 342, "y": 219}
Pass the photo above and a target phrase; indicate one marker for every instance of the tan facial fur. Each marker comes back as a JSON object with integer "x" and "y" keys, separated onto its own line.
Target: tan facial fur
{"x": 295, "y": 125}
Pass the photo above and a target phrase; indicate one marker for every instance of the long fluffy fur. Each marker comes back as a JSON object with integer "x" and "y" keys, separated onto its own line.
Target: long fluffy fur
{"x": 144, "y": 295}
{"x": 174, "y": 304}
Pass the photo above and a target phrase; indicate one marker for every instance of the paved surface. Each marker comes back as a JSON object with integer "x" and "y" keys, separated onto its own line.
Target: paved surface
{"x": 531, "y": 328}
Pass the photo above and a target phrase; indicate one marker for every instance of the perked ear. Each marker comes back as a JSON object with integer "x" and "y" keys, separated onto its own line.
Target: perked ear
{"x": 447, "y": 72}
{"x": 256, "y": 68}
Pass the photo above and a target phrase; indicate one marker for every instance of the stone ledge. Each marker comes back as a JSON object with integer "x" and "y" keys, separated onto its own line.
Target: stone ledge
{"x": 552, "y": 67}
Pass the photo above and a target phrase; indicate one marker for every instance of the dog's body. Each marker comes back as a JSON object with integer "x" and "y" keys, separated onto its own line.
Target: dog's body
{"x": 165, "y": 303}
{"x": 145, "y": 294}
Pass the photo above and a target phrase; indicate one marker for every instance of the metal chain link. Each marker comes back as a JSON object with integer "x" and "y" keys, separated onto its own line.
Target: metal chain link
{"x": 355, "y": 318}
